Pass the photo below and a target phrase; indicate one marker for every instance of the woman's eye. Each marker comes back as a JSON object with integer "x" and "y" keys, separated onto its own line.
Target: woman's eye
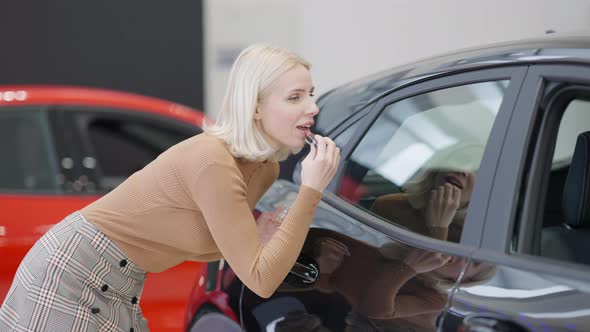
{"x": 294, "y": 98}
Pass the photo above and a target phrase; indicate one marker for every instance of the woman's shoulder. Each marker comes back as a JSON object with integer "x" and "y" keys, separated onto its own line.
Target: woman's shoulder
{"x": 197, "y": 153}
{"x": 393, "y": 198}
{"x": 207, "y": 141}
{"x": 390, "y": 203}
{"x": 205, "y": 147}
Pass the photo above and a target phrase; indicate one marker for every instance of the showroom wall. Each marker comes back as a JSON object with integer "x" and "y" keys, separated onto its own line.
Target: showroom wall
{"x": 231, "y": 25}
{"x": 183, "y": 50}
{"x": 148, "y": 46}
{"x": 346, "y": 39}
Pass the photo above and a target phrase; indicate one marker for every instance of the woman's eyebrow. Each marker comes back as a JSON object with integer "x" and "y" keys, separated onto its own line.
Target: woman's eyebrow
{"x": 302, "y": 90}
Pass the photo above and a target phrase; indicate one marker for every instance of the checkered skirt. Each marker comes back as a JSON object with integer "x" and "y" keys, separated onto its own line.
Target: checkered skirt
{"x": 74, "y": 279}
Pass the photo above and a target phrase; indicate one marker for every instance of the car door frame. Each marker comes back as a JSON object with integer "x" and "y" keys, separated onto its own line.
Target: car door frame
{"x": 505, "y": 201}
{"x": 472, "y": 233}
{"x": 67, "y": 153}
{"x": 81, "y": 116}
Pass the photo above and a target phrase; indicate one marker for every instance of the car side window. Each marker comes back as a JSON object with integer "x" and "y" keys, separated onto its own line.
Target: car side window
{"x": 565, "y": 231}
{"x": 416, "y": 165}
{"x": 122, "y": 146}
{"x": 28, "y": 161}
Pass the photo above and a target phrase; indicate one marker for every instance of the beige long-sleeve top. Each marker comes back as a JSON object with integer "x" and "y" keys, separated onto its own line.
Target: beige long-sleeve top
{"x": 195, "y": 202}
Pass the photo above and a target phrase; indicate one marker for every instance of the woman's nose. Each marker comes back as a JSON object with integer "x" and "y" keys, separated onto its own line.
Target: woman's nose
{"x": 313, "y": 108}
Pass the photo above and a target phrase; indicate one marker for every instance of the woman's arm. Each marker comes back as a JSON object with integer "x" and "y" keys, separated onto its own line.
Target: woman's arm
{"x": 220, "y": 194}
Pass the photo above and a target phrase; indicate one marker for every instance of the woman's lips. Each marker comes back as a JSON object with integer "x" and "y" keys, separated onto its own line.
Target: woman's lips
{"x": 455, "y": 182}
{"x": 306, "y": 132}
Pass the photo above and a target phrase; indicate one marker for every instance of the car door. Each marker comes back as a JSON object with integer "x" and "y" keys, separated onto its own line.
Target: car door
{"x": 537, "y": 227}
{"x": 114, "y": 144}
{"x": 370, "y": 262}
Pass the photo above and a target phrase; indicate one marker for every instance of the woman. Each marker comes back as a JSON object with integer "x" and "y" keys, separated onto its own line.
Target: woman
{"x": 194, "y": 202}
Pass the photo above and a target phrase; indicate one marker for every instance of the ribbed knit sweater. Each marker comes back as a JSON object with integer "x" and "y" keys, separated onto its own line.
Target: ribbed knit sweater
{"x": 195, "y": 202}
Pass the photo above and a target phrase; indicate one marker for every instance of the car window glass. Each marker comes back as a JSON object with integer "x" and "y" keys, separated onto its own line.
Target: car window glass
{"x": 565, "y": 230}
{"x": 342, "y": 139}
{"x": 27, "y": 158}
{"x": 124, "y": 146}
{"x": 416, "y": 166}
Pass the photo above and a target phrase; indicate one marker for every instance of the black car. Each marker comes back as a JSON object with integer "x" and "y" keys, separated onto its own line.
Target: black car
{"x": 462, "y": 203}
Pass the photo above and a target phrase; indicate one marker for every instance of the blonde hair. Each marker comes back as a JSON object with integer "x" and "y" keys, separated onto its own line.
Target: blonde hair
{"x": 250, "y": 80}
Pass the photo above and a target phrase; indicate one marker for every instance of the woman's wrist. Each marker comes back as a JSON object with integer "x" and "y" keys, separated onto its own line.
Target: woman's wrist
{"x": 309, "y": 187}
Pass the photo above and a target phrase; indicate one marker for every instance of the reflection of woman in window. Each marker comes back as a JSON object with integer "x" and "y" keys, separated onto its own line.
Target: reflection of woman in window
{"x": 406, "y": 291}
{"x": 435, "y": 205}
{"x": 435, "y": 202}
{"x": 403, "y": 288}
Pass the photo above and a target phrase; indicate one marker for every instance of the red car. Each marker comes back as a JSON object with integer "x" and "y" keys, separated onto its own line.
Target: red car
{"x": 64, "y": 147}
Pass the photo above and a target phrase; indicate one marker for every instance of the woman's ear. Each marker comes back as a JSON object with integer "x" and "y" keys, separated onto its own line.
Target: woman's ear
{"x": 256, "y": 115}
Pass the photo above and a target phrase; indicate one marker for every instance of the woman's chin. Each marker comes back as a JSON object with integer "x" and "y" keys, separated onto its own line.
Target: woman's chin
{"x": 295, "y": 147}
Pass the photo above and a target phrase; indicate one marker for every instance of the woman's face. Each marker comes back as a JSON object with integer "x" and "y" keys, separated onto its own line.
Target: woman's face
{"x": 287, "y": 112}
{"x": 462, "y": 180}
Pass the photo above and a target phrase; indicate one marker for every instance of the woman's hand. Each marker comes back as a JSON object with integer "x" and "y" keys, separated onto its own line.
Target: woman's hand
{"x": 442, "y": 205}
{"x": 320, "y": 165}
{"x": 425, "y": 261}
{"x": 329, "y": 254}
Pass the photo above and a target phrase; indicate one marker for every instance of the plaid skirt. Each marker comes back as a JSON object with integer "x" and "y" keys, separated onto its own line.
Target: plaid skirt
{"x": 74, "y": 279}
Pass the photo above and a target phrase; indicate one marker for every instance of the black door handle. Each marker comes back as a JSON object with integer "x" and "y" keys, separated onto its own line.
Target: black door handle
{"x": 305, "y": 272}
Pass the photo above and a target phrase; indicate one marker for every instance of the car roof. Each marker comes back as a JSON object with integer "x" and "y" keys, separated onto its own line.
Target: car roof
{"x": 61, "y": 95}
{"x": 553, "y": 49}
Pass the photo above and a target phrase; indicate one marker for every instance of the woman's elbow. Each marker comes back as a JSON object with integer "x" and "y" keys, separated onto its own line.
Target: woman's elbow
{"x": 261, "y": 287}
{"x": 264, "y": 291}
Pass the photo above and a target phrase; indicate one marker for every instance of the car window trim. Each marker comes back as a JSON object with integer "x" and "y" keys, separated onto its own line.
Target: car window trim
{"x": 113, "y": 112}
{"x": 473, "y": 233}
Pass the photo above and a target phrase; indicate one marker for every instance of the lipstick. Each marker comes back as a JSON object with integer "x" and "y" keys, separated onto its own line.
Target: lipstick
{"x": 309, "y": 139}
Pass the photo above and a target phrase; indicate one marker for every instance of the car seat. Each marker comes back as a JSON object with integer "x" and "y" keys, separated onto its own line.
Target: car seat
{"x": 570, "y": 241}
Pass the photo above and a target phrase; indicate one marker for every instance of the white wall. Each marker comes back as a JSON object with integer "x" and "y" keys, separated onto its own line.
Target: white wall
{"x": 347, "y": 39}
{"x": 231, "y": 25}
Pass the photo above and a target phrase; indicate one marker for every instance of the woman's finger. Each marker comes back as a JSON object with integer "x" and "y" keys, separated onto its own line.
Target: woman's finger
{"x": 321, "y": 148}
{"x": 456, "y": 195}
{"x": 313, "y": 151}
{"x": 440, "y": 196}
{"x": 448, "y": 193}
